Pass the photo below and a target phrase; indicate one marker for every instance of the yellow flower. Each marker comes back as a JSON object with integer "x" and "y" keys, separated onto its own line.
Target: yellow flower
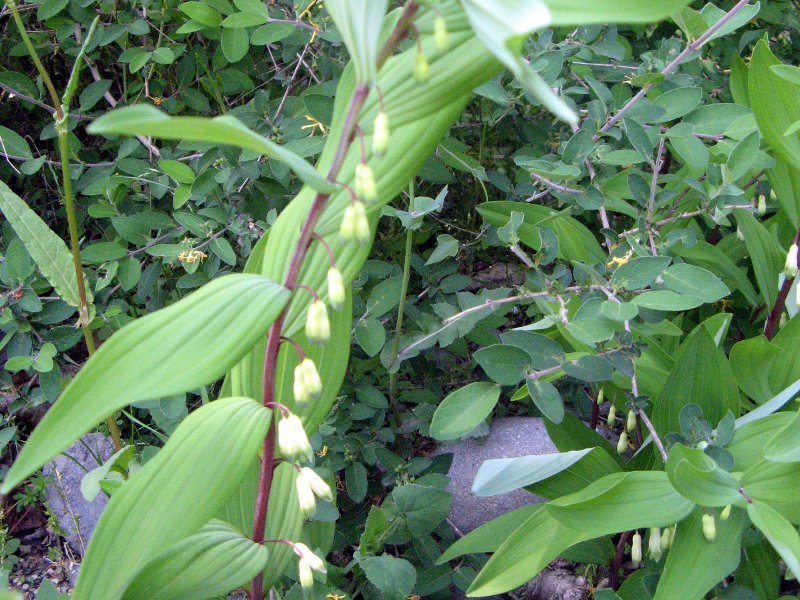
{"x": 192, "y": 256}
{"x": 620, "y": 260}
{"x": 314, "y": 125}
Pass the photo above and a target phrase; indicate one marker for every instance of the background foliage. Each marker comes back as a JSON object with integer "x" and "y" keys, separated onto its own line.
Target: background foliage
{"x": 614, "y": 242}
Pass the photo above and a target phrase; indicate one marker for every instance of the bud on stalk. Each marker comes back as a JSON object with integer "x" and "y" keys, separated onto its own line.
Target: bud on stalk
{"x": 654, "y": 544}
{"x": 380, "y": 135}
{"x": 622, "y": 445}
{"x": 318, "y": 328}
{"x": 336, "y": 293}
{"x": 440, "y": 34}
{"x": 612, "y": 415}
{"x": 318, "y": 485}
{"x": 304, "y": 574}
{"x": 311, "y": 379}
{"x": 790, "y": 269}
{"x": 365, "y": 187}
{"x": 422, "y": 70}
{"x": 314, "y": 561}
{"x": 292, "y": 439}
{"x": 305, "y": 497}
{"x": 601, "y": 396}
{"x": 301, "y": 395}
{"x": 636, "y": 549}
{"x": 762, "y": 205}
{"x": 726, "y": 513}
{"x": 709, "y": 527}
{"x": 667, "y": 536}
{"x": 355, "y": 226}
{"x": 630, "y": 424}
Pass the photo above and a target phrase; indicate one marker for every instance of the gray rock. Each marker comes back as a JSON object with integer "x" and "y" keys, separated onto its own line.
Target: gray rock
{"x": 508, "y": 437}
{"x": 76, "y": 517}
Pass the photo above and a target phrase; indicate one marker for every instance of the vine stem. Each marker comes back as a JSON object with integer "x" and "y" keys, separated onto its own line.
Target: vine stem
{"x": 698, "y": 43}
{"x": 401, "y": 311}
{"x": 62, "y": 129}
{"x": 775, "y": 314}
{"x": 274, "y": 336}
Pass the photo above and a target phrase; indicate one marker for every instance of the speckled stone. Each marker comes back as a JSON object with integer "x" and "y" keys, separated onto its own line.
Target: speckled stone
{"x": 508, "y": 437}
{"x": 76, "y": 517}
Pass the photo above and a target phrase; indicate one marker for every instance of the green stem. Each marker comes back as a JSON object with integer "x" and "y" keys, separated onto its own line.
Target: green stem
{"x": 62, "y": 128}
{"x": 398, "y": 329}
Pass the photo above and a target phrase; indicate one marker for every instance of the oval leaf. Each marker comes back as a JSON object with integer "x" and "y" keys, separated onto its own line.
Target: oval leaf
{"x": 463, "y": 410}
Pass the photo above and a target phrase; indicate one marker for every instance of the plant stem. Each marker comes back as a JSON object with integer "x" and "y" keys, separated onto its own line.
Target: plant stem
{"x": 62, "y": 128}
{"x": 775, "y": 314}
{"x": 274, "y": 336}
{"x": 401, "y": 311}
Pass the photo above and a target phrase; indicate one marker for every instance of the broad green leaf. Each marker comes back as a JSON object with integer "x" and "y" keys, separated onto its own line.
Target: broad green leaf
{"x": 234, "y": 43}
{"x": 544, "y": 352}
{"x": 780, "y": 533}
{"x": 694, "y": 281}
{"x": 14, "y": 144}
{"x": 506, "y": 365}
{"x": 667, "y": 300}
{"x": 775, "y": 103}
{"x": 786, "y": 369}
{"x": 787, "y": 72}
{"x": 714, "y": 259}
{"x": 690, "y": 549}
{"x": 502, "y": 26}
{"x": 578, "y": 12}
{"x": 573, "y": 434}
{"x": 769, "y": 407}
{"x": 776, "y": 484}
{"x": 180, "y": 172}
{"x": 701, "y": 376}
{"x": 208, "y": 564}
{"x": 698, "y": 477}
{"x": 596, "y": 464}
{"x": 785, "y": 182}
{"x": 359, "y": 24}
{"x": 173, "y": 494}
{"x": 463, "y": 410}
{"x": 765, "y": 252}
{"x": 47, "y": 250}
{"x": 503, "y": 475}
{"x": 678, "y": 103}
{"x": 747, "y": 444}
{"x": 144, "y": 119}
{"x": 177, "y": 349}
{"x": 575, "y": 241}
{"x": 201, "y": 12}
{"x": 546, "y": 398}
{"x": 784, "y": 446}
{"x": 626, "y": 501}
{"x": 639, "y": 272}
{"x": 394, "y": 577}
{"x": 750, "y": 362}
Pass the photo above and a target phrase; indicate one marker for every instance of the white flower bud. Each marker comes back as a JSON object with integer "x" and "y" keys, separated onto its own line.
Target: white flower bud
{"x": 601, "y": 396}
{"x": 301, "y": 395}
{"x": 726, "y": 513}
{"x": 762, "y": 205}
{"x": 314, "y": 561}
{"x": 739, "y": 234}
{"x": 318, "y": 327}
{"x": 305, "y": 574}
{"x": 305, "y": 497}
{"x": 797, "y": 296}
{"x": 440, "y": 34}
{"x": 612, "y": 415}
{"x": 292, "y": 439}
{"x": 636, "y": 549}
{"x": 380, "y": 135}
{"x": 654, "y": 543}
{"x": 622, "y": 445}
{"x": 355, "y": 225}
{"x": 318, "y": 485}
{"x": 336, "y": 293}
{"x": 666, "y": 537}
{"x": 365, "y": 186}
{"x": 630, "y": 424}
{"x": 709, "y": 527}
{"x": 422, "y": 70}
{"x": 311, "y": 379}
{"x": 791, "y": 262}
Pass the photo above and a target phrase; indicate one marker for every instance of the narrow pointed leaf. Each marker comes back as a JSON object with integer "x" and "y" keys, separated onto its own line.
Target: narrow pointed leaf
{"x": 359, "y": 23}
{"x": 580, "y": 12}
{"x": 147, "y": 120}
{"x": 208, "y": 564}
{"x": 174, "y": 494}
{"x": 47, "y": 250}
{"x": 180, "y": 348}
{"x": 780, "y": 533}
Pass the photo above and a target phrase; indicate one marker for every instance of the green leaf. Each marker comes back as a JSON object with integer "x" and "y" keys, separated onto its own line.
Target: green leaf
{"x": 699, "y": 478}
{"x": 750, "y": 362}
{"x": 179, "y": 348}
{"x": 690, "y": 549}
{"x": 780, "y": 533}
{"x": 578, "y": 12}
{"x": 774, "y": 404}
{"x": 639, "y": 272}
{"x": 575, "y": 241}
{"x": 667, "y": 300}
{"x": 144, "y": 119}
{"x": 701, "y": 376}
{"x": 359, "y": 24}
{"x": 371, "y": 335}
{"x": 208, "y": 564}
{"x": 463, "y": 410}
{"x": 694, "y": 281}
{"x": 394, "y": 577}
{"x": 48, "y": 251}
{"x": 234, "y": 42}
{"x": 222, "y": 248}
{"x": 202, "y": 463}
{"x": 180, "y": 172}
{"x": 784, "y": 446}
{"x": 503, "y": 475}
{"x": 544, "y": 352}
{"x": 678, "y": 103}
{"x": 547, "y": 399}
{"x": 765, "y": 252}
{"x": 502, "y": 28}
{"x": 775, "y": 103}
{"x": 505, "y": 365}
{"x": 446, "y": 247}
{"x": 776, "y": 484}
{"x": 201, "y": 12}
{"x": 14, "y": 144}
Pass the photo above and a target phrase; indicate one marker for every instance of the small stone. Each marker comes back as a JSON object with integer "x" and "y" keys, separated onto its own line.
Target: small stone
{"x": 76, "y": 517}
